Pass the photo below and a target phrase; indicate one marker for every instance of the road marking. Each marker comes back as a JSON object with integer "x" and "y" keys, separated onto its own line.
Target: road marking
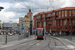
{"x": 64, "y": 47}
{"x": 70, "y": 41}
{"x": 67, "y": 46}
{"x": 60, "y": 46}
{"x": 70, "y": 47}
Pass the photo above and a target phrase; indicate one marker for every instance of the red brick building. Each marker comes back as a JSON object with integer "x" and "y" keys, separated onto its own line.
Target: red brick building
{"x": 60, "y": 21}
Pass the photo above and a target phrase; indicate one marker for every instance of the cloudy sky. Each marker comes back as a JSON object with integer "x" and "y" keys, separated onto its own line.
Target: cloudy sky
{"x": 13, "y": 9}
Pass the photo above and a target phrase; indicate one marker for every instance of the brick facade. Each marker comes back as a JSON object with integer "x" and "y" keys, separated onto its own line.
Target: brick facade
{"x": 60, "y": 21}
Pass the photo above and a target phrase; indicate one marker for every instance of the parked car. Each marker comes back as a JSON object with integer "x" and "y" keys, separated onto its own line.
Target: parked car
{"x": 1, "y": 33}
{"x": 10, "y": 34}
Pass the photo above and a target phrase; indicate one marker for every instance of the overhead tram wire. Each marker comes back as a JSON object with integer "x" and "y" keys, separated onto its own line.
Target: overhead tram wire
{"x": 50, "y": 5}
{"x": 22, "y": 4}
{"x": 31, "y": 6}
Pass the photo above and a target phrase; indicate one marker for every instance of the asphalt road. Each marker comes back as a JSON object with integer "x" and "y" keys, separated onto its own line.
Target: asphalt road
{"x": 48, "y": 44}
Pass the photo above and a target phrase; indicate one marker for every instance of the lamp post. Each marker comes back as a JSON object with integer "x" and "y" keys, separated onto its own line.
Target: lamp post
{"x": 44, "y": 27}
{"x": 1, "y": 8}
{"x": 36, "y": 26}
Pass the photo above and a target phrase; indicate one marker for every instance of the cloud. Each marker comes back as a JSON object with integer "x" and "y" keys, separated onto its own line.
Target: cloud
{"x": 13, "y": 1}
{"x": 15, "y": 9}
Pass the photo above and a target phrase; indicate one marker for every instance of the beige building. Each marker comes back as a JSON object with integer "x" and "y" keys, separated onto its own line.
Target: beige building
{"x": 27, "y": 22}
{"x": 1, "y": 25}
{"x": 29, "y": 14}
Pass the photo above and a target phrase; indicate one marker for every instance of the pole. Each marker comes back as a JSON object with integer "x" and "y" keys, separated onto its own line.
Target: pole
{"x": 44, "y": 28}
{"x": 36, "y": 26}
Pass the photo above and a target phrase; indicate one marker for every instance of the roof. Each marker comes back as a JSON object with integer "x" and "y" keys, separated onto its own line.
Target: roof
{"x": 17, "y": 24}
{"x": 39, "y": 13}
{"x": 48, "y": 12}
{"x": 66, "y": 8}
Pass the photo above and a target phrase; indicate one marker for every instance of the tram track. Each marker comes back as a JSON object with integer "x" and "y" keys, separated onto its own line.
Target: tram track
{"x": 34, "y": 44}
{"x": 49, "y": 43}
{"x": 54, "y": 44}
{"x": 28, "y": 43}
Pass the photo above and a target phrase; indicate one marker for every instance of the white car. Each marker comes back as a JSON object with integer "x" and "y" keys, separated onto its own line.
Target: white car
{"x": 1, "y": 33}
{"x": 10, "y": 34}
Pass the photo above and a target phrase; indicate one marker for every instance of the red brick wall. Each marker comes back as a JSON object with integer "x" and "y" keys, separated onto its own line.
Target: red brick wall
{"x": 49, "y": 25}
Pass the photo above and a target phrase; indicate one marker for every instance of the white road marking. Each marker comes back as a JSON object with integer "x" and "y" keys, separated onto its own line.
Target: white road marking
{"x": 70, "y": 47}
{"x": 60, "y": 46}
{"x": 70, "y": 41}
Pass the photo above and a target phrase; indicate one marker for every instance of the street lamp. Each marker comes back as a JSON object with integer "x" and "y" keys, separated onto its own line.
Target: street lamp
{"x": 44, "y": 27}
{"x": 36, "y": 26}
{"x": 1, "y": 8}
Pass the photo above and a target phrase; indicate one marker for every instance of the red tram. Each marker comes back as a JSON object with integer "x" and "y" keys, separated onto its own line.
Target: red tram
{"x": 39, "y": 33}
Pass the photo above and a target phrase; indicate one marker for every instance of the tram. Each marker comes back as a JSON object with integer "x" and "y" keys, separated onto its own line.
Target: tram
{"x": 39, "y": 33}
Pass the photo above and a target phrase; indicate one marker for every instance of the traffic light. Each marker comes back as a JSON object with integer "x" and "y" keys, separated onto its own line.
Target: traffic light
{"x": 30, "y": 27}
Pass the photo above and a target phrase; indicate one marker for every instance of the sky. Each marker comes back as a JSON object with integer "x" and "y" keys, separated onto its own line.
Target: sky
{"x": 13, "y": 9}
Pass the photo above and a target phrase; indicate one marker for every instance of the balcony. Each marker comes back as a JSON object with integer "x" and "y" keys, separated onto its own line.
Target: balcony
{"x": 49, "y": 16}
{"x": 38, "y": 18}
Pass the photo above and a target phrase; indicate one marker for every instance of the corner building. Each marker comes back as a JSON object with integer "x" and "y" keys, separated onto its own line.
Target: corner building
{"x": 60, "y": 21}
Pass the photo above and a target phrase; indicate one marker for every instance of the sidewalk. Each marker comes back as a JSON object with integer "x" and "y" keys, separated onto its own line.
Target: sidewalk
{"x": 17, "y": 42}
